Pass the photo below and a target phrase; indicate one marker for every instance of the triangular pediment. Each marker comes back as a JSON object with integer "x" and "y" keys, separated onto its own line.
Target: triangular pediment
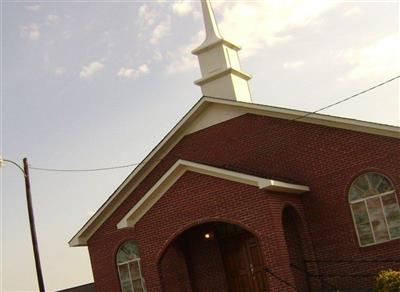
{"x": 181, "y": 167}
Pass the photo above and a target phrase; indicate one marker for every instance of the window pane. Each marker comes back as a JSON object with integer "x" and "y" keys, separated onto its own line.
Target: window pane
{"x": 365, "y": 233}
{"x": 362, "y": 222}
{"x": 362, "y": 183}
{"x": 126, "y": 287}
{"x": 385, "y": 186}
{"x": 360, "y": 213}
{"x": 392, "y": 213}
{"x": 137, "y": 286}
{"x": 395, "y": 232}
{"x": 355, "y": 193}
{"x": 124, "y": 273}
{"x": 127, "y": 251}
{"x": 392, "y": 210}
{"x": 134, "y": 267}
{"x": 375, "y": 179}
{"x": 377, "y": 219}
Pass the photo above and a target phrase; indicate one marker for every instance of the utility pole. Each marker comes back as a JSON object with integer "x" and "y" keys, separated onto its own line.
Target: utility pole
{"x": 32, "y": 226}
{"x": 25, "y": 172}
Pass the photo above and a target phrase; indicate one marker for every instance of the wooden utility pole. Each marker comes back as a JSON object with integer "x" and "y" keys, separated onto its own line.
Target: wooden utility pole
{"x": 32, "y": 226}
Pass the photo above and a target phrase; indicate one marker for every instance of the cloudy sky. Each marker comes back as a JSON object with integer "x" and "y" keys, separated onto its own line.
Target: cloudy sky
{"x": 89, "y": 84}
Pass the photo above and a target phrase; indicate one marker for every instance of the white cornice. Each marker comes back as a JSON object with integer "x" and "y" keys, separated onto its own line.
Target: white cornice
{"x": 223, "y": 72}
{"x": 182, "y": 166}
{"x": 209, "y": 45}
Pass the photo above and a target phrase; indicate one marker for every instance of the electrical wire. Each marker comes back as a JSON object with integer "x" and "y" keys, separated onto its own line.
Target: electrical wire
{"x": 292, "y": 120}
{"x": 84, "y": 170}
{"x": 348, "y": 98}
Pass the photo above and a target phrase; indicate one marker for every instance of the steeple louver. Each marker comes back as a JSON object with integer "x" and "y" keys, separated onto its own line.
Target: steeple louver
{"x": 222, "y": 76}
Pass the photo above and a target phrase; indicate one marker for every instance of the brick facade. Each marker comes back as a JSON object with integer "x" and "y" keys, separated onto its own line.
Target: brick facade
{"x": 325, "y": 159}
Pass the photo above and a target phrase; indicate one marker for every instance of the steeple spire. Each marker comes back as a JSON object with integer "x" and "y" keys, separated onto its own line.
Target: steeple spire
{"x": 212, "y": 31}
{"x": 219, "y": 63}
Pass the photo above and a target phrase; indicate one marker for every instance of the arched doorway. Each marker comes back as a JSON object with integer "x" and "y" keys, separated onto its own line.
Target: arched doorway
{"x": 213, "y": 256}
{"x": 292, "y": 228}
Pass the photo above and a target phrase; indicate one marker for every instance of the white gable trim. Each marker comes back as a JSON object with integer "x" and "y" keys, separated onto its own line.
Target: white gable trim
{"x": 182, "y": 166}
{"x": 195, "y": 121}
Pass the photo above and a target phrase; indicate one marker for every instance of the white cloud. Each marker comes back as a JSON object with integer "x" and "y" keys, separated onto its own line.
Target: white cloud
{"x": 255, "y": 25}
{"x": 265, "y": 23}
{"x": 149, "y": 24}
{"x": 31, "y": 31}
{"x": 148, "y": 15}
{"x": 379, "y": 60}
{"x": 60, "y": 71}
{"x": 160, "y": 31}
{"x": 183, "y": 61}
{"x": 32, "y": 7}
{"x": 157, "y": 55}
{"x": 354, "y": 11}
{"x": 90, "y": 25}
{"x": 132, "y": 73}
{"x": 293, "y": 65}
{"x": 182, "y": 7}
{"x": 93, "y": 68}
{"x": 181, "y": 65}
{"x": 51, "y": 19}
{"x": 67, "y": 34}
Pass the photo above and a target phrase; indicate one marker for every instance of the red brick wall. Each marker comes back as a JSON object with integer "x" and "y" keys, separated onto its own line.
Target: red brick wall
{"x": 173, "y": 269}
{"x": 326, "y": 159}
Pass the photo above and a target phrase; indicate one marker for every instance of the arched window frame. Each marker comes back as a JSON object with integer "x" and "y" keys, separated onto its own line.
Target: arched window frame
{"x": 382, "y": 210}
{"x": 127, "y": 283}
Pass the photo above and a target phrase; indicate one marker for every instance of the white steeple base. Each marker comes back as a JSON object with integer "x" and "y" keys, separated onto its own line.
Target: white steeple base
{"x": 228, "y": 84}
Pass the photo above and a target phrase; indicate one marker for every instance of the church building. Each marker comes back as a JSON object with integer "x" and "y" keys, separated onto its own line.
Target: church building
{"x": 243, "y": 197}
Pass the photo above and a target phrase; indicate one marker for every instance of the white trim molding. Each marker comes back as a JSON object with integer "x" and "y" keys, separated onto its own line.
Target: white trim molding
{"x": 182, "y": 166}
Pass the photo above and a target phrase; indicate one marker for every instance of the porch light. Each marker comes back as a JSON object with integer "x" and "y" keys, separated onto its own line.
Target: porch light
{"x": 208, "y": 235}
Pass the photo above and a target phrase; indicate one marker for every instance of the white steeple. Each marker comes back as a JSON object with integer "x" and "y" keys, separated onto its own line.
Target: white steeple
{"x": 219, "y": 63}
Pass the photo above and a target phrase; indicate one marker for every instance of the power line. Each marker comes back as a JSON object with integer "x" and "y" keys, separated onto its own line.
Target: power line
{"x": 84, "y": 170}
{"x": 292, "y": 120}
{"x": 347, "y": 98}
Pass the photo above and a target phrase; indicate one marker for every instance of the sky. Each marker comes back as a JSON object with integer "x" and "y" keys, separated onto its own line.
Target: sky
{"x": 88, "y": 84}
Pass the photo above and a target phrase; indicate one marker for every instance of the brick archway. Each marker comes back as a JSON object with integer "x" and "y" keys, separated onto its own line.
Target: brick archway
{"x": 292, "y": 227}
{"x": 213, "y": 256}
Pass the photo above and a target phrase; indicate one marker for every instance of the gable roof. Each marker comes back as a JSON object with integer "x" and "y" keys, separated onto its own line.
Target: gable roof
{"x": 180, "y": 167}
{"x": 206, "y": 112}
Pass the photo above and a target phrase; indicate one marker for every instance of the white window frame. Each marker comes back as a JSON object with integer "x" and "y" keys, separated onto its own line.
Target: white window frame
{"x": 364, "y": 200}
{"x": 119, "y": 265}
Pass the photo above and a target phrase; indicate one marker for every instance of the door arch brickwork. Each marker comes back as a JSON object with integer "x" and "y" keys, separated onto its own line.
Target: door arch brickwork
{"x": 214, "y": 256}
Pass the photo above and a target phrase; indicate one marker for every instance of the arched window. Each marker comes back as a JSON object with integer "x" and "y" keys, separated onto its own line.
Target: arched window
{"x": 375, "y": 209}
{"x": 128, "y": 262}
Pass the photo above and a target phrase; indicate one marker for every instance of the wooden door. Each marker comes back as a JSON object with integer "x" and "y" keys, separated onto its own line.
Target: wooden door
{"x": 243, "y": 264}
{"x": 256, "y": 265}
